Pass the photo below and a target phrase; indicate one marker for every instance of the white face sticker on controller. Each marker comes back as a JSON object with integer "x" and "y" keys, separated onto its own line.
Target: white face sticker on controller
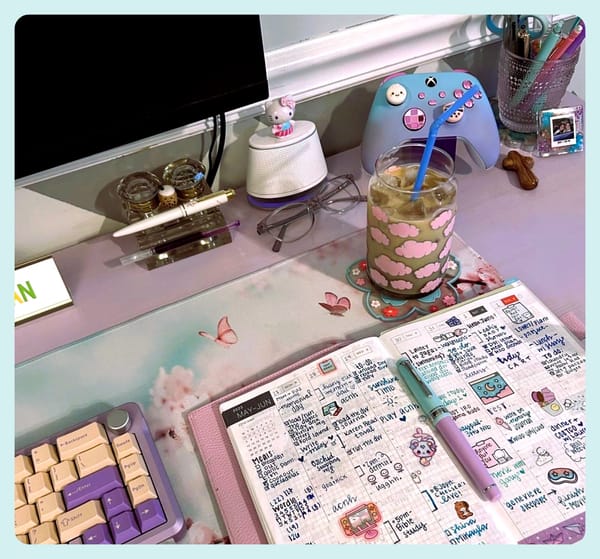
{"x": 456, "y": 116}
{"x": 395, "y": 94}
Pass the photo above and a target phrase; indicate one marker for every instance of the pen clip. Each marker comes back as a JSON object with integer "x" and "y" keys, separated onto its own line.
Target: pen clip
{"x": 417, "y": 378}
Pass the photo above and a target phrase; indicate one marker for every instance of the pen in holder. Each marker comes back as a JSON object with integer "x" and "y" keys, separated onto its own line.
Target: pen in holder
{"x": 145, "y": 199}
{"x": 527, "y": 86}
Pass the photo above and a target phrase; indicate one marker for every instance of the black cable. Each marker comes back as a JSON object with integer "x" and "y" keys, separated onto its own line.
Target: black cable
{"x": 214, "y": 165}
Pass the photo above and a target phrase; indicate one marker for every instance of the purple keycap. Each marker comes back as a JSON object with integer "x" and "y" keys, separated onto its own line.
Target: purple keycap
{"x": 115, "y": 502}
{"x": 124, "y": 527}
{"x": 91, "y": 487}
{"x": 97, "y": 534}
{"x": 149, "y": 514}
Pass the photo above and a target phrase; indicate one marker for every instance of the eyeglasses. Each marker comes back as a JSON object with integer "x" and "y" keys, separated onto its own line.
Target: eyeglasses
{"x": 293, "y": 221}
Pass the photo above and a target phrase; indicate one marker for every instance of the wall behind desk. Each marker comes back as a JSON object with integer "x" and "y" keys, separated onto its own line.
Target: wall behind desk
{"x": 78, "y": 206}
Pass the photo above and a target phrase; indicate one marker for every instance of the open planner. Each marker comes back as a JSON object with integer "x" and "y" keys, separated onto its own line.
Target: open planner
{"x": 339, "y": 451}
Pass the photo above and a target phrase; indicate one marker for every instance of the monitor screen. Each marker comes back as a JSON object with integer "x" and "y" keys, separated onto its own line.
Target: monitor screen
{"x": 85, "y": 84}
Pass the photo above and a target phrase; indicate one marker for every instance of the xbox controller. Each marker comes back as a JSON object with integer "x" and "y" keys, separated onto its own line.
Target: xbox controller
{"x": 406, "y": 105}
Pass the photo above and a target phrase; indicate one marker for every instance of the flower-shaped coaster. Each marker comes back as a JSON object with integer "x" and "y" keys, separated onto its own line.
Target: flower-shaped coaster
{"x": 384, "y": 306}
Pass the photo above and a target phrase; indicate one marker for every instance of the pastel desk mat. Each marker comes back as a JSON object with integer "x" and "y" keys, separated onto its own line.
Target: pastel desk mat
{"x": 183, "y": 356}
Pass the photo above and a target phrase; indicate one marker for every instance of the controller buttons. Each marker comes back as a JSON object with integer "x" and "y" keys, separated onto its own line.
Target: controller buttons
{"x": 467, "y": 84}
{"x": 442, "y": 94}
{"x": 414, "y": 119}
{"x": 431, "y": 81}
{"x": 469, "y": 104}
{"x": 478, "y": 95}
{"x": 395, "y": 94}
{"x": 456, "y": 116}
{"x": 458, "y": 93}
{"x": 421, "y": 95}
{"x": 432, "y": 102}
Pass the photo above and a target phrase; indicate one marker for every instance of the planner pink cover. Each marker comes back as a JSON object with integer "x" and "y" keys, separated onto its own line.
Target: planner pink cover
{"x": 212, "y": 442}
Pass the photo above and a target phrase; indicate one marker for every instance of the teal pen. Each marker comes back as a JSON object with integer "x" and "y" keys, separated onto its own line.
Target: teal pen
{"x": 444, "y": 423}
{"x": 536, "y": 65}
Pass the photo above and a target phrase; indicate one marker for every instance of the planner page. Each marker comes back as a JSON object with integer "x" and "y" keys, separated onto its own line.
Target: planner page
{"x": 338, "y": 452}
{"x": 514, "y": 379}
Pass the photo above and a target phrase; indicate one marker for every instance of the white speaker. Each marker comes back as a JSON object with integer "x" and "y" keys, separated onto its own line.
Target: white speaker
{"x": 286, "y": 166}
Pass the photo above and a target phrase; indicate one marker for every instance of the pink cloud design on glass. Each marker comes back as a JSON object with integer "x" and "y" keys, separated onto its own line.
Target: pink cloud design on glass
{"x": 379, "y": 214}
{"x": 387, "y": 265}
{"x": 450, "y": 228}
{"x": 378, "y": 278}
{"x": 416, "y": 249}
{"x": 401, "y": 284}
{"x": 431, "y": 285}
{"x": 427, "y": 270}
{"x": 441, "y": 219}
{"x": 446, "y": 249}
{"x": 379, "y": 236}
{"x": 403, "y": 230}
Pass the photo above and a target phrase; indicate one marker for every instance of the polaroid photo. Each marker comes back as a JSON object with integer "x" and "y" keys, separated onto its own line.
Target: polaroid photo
{"x": 560, "y": 131}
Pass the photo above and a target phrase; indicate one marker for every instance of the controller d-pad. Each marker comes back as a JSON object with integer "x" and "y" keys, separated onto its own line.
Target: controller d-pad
{"x": 414, "y": 119}
{"x": 430, "y": 81}
{"x": 456, "y": 116}
{"x": 395, "y": 94}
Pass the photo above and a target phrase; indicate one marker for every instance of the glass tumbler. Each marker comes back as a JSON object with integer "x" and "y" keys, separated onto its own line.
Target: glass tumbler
{"x": 409, "y": 234}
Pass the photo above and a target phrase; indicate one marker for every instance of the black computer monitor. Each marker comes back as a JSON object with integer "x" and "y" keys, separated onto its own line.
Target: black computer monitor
{"x": 87, "y": 84}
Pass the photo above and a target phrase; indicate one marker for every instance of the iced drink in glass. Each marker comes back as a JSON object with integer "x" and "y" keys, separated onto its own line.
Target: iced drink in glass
{"x": 409, "y": 235}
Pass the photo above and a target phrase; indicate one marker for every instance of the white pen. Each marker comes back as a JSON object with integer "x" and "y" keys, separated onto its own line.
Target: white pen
{"x": 189, "y": 208}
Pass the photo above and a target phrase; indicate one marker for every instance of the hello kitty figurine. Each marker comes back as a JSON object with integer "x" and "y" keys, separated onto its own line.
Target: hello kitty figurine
{"x": 279, "y": 115}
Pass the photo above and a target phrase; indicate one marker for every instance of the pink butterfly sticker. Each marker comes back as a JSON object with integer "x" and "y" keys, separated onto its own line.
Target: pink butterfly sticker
{"x": 225, "y": 337}
{"x": 335, "y": 305}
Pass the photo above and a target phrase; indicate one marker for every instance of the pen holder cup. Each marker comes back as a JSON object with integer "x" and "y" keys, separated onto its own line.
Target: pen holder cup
{"x": 527, "y": 86}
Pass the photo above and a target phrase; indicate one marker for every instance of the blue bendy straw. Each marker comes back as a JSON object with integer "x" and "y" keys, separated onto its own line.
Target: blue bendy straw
{"x": 431, "y": 137}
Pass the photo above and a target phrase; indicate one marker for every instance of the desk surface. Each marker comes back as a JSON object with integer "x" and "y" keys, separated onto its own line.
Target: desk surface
{"x": 133, "y": 334}
{"x": 535, "y": 235}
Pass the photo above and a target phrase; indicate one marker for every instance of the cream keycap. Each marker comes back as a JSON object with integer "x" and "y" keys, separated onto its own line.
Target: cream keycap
{"x": 141, "y": 489}
{"x": 43, "y": 457}
{"x": 80, "y": 440}
{"x": 124, "y": 445}
{"x": 132, "y": 466}
{"x": 50, "y": 506}
{"x": 20, "y": 497}
{"x": 37, "y": 486}
{"x": 62, "y": 474}
{"x": 25, "y": 519}
{"x": 44, "y": 533}
{"x": 73, "y": 523}
{"x": 23, "y": 468}
{"x": 94, "y": 459}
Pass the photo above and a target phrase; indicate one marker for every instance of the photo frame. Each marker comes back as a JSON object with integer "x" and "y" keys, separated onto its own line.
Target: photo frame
{"x": 560, "y": 131}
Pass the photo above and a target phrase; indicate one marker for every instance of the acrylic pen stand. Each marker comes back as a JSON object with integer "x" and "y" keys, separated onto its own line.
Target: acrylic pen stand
{"x": 200, "y": 222}
{"x": 142, "y": 195}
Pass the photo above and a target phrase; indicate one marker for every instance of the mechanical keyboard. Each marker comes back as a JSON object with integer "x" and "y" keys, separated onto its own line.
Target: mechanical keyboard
{"x": 98, "y": 482}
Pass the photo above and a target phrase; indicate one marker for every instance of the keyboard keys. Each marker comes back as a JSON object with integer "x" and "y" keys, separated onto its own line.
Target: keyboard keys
{"x": 115, "y": 502}
{"x": 75, "y": 522}
{"x": 100, "y": 482}
{"x": 124, "y": 527}
{"x": 37, "y": 485}
{"x": 149, "y": 515}
{"x": 92, "y": 486}
{"x": 98, "y": 534}
{"x": 82, "y": 439}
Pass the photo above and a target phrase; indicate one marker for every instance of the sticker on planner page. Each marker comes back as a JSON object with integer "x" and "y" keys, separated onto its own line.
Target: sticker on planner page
{"x": 491, "y": 388}
{"x": 335, "y": 305}
{"x": 361, "y": 521}
{"x": 546, "y": 399}
{"x": 423, "y": 446}
{"x": 225, "y": 337}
